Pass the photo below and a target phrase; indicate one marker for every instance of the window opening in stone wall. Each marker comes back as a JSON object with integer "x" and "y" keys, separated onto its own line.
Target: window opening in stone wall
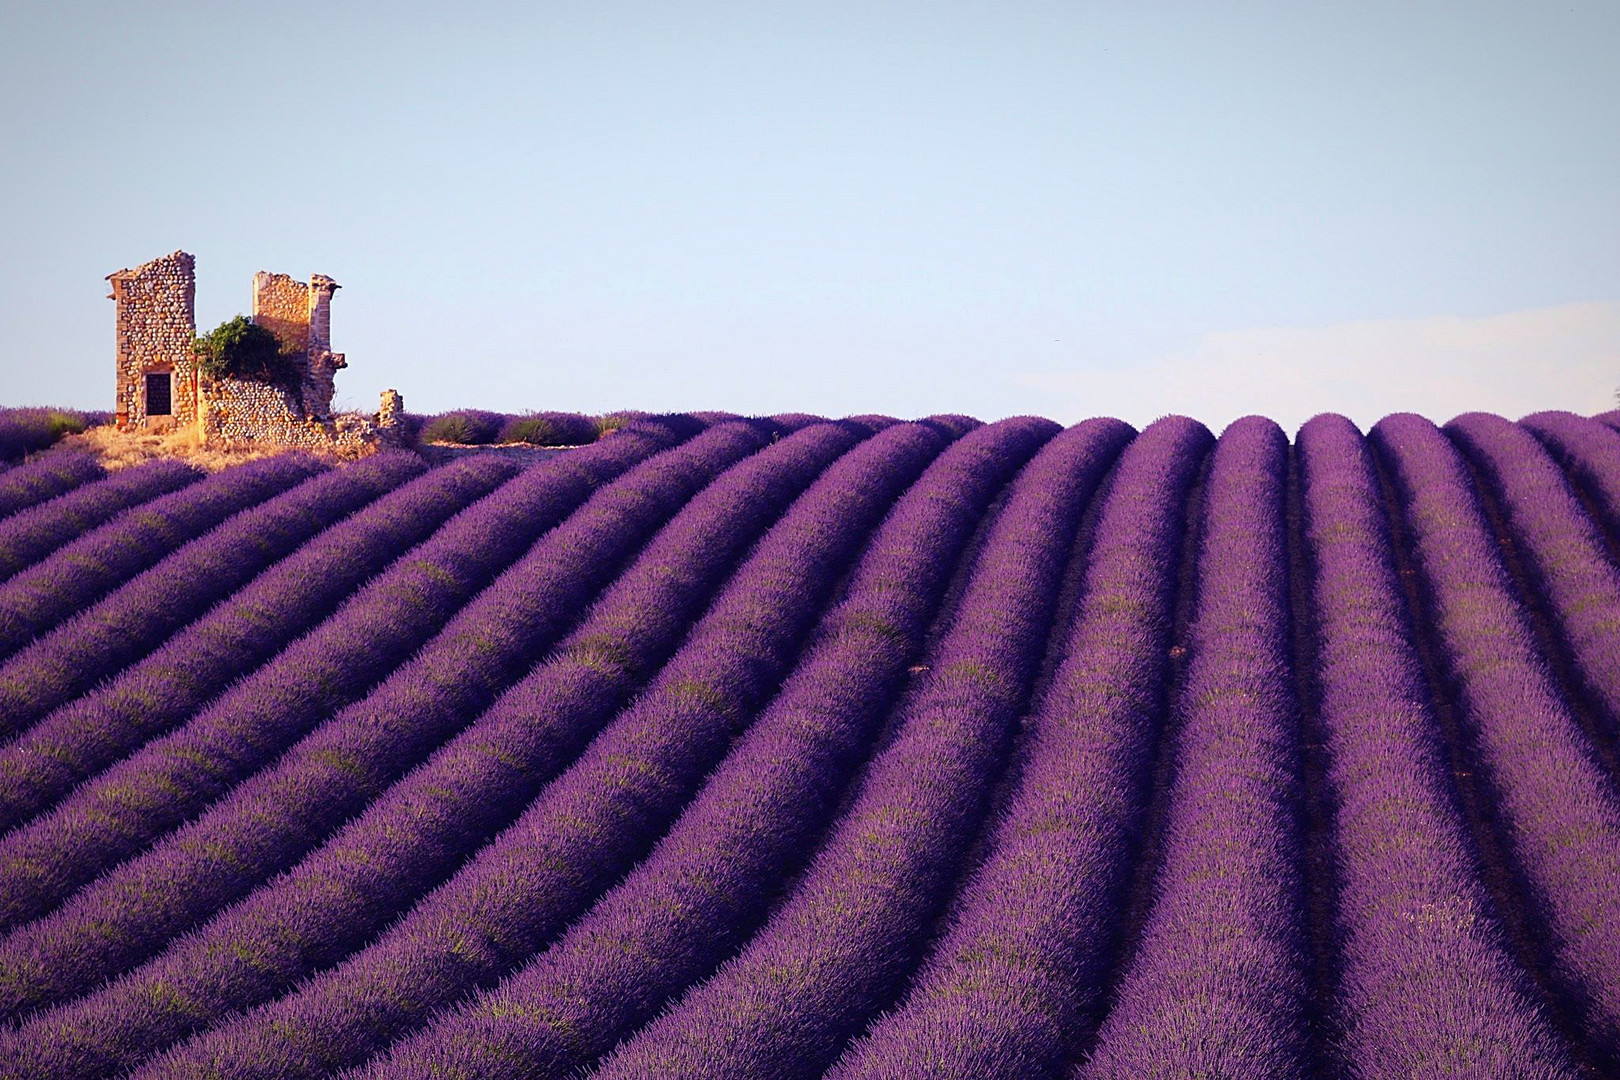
{"x": 157, "y": 393}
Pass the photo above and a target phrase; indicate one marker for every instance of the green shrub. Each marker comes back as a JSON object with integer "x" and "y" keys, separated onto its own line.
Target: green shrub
{"x": 242, "y": 349}
{"x": 465, "y": 427}
{"x": 61, "y": 423}
{"x": 614, "y": 421}
{"x": 549, "y": 429}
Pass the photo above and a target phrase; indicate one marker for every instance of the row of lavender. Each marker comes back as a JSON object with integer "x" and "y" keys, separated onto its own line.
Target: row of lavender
{"x": 481, "y": 427}
{"x": 781, "y": 749}
{"x": 28, "y": 429}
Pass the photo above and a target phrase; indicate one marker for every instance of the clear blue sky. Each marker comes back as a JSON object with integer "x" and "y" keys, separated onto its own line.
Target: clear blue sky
{"x": 1060, "y": 208}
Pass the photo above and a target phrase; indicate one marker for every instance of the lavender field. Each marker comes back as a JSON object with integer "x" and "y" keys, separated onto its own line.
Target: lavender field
{"x": 780, "y": 748}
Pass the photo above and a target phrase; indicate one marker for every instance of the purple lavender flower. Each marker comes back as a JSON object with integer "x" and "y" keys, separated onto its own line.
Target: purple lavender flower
{"x": 839, "y": 948}
{"x": 45, "y": 478}
{"x": 1555, "y": 804}
{"x": 30, "y": 535}
{"x": 1014, "y": 985}
{"x": 75, "y": 576}
{"x": 46, "y": 859}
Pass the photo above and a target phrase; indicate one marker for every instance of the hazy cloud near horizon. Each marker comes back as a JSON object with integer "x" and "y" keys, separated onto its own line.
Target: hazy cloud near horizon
{"x": 1563, "y": 357}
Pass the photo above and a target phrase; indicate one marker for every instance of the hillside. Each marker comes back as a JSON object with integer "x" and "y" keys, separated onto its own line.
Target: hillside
{"x": 793, "y": 748}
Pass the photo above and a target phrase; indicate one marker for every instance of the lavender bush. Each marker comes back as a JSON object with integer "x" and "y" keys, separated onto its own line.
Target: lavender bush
{"x": 139, "y": 615}
{"x": 1563, "y": 551}
{"x": 549, "y": 429}
{"x": 70, "y": 580}
{"x": 27, "y": 429}
{"x": 467, "y": 427}
{"x": 839, "y": 948}
{"x": 1590, "y": 453}
{"x": 1428, "y": 987}
{"x": 1555, "y": 804}
{"x": 370, "y": 635}
{"x": 486, "y": 775}
{"x": 1013, "y": 986}
{"x": 63, "y": 850}
{"x": 272, "y": 819}
{"x": 1217, "y": 984}
{"x": 45, "y": 478}
{"x": 726, "y": 747}
{"x": 332, "y": 666}
{"x": 705, "y": 884}
{"x": 30, "y": 535}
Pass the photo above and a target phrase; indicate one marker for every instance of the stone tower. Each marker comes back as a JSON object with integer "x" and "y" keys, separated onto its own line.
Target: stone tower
{"x": 156, "y": 382}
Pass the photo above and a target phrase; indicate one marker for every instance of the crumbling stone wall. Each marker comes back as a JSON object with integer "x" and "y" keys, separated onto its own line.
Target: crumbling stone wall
{"x": 391, "y": 414}
{"x": 238, "y": 411}
{"x": 156, "y": 324}
{"x": 323, "y": 362}
{"x": 300, "y": 316}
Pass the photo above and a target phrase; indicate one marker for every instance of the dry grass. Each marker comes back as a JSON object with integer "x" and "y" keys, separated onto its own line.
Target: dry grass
{"x": 121, "y": 449}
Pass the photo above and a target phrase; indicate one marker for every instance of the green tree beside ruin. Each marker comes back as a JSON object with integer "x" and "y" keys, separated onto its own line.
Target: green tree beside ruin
{"x": 240, "y": 348}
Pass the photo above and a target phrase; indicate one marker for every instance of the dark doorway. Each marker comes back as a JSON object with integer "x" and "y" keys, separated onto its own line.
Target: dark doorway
{"x": 157, "y": 394}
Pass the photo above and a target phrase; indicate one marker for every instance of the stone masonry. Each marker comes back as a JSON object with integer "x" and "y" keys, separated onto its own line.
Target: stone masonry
{"x": 300, "y": 316}
{"x": 156, "y": 328}
{"x": 324, "y": 364}
{"x": 391, "y": 413}
{"x": 238, "y": 411}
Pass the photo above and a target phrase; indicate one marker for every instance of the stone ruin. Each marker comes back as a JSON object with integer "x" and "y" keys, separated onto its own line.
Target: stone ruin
{"x": 160, "y": 388}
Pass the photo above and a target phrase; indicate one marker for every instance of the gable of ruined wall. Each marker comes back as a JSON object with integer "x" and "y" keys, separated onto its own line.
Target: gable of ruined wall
{"x": 281, "y": 306}
{"x": 299, "y": 315}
